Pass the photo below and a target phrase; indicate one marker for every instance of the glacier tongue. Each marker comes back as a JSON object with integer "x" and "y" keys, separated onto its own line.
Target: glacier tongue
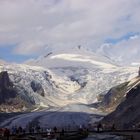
{"x": 67, "y": 116}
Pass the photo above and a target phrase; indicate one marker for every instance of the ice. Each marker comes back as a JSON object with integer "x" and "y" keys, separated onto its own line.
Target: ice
{"x": 104, "y": 137}
{"x": 70, "y": 82}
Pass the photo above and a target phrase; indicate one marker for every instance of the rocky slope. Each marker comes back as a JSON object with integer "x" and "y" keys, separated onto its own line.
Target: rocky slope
{"x": 127, "y": 114}
{"x": 10, "y": 99}
{"x": 115, "y": 96}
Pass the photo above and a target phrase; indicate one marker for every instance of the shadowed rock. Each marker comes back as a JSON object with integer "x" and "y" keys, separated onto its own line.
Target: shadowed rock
{"x": 10, "y": 100}
{"x": 127, "y": 114}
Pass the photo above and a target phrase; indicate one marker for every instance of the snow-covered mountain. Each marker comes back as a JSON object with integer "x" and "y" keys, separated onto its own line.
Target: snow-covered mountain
{"x": 65, "y": 81}
{"x": 82, "y": 74}
{"x": 71, "y": 57}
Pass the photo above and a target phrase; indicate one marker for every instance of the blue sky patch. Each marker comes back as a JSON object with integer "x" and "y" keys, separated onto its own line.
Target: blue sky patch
{"x": 6, "y": 53}
{"x": 125, "y": 37}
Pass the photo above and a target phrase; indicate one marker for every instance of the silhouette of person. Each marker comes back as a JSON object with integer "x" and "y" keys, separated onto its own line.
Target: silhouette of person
{"x": 62, "y": 132}
{"x": 99, "y": 126}
{"x": 7, "y": 133}
{"x": 55, "y": 129}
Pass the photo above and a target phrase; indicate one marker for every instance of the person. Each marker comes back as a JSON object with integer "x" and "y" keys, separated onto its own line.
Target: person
{"x": 80, "y": 129}
{"x": 113, "y": 127}
{"x": 55, "y": 129}
{"x": 49, "y": 132}
{"x": 20, "y": 129}
{"x": 7, "y": 133}
{"x": 99, "y": 127}
{"x": 37, "y": 128}
{"x": 1, "y": 131}
{"x": 62, "y": 132}
{"x": 14, "y": 129}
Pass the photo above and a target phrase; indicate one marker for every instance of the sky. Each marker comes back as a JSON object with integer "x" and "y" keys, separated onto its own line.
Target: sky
{"x": 29, "y": 27}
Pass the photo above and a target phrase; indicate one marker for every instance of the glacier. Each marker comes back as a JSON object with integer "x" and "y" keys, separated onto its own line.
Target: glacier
{"x": 62, "y": 84}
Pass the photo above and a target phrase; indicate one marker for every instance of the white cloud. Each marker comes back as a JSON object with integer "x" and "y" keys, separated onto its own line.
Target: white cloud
{"x": 125, "y": 51}
{"x": 30, "y": 47}
{"x": 34, "y": 23}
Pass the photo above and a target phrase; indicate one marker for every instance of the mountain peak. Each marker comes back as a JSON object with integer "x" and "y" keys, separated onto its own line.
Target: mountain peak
{"x": 75, "y": 56}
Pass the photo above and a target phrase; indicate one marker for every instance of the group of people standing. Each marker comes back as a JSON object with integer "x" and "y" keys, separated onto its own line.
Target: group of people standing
{"x": 34, "y": 129}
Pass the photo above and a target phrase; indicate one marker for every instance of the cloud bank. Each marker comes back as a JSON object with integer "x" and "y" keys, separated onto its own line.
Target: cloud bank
{"x": 34, "y": 25}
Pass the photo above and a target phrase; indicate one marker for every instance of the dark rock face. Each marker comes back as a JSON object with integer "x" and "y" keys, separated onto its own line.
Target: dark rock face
{"x": 74, "y": 79}
{"x": 37, "y": 88}
{"x": 115, "y": 96}
{"x": 4, "y": 80}
{"x": 10, "y": 100}
{"x": 6, "y": 88}
{"x": 112, "y": 99}
{"x": 127, "y": 114}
